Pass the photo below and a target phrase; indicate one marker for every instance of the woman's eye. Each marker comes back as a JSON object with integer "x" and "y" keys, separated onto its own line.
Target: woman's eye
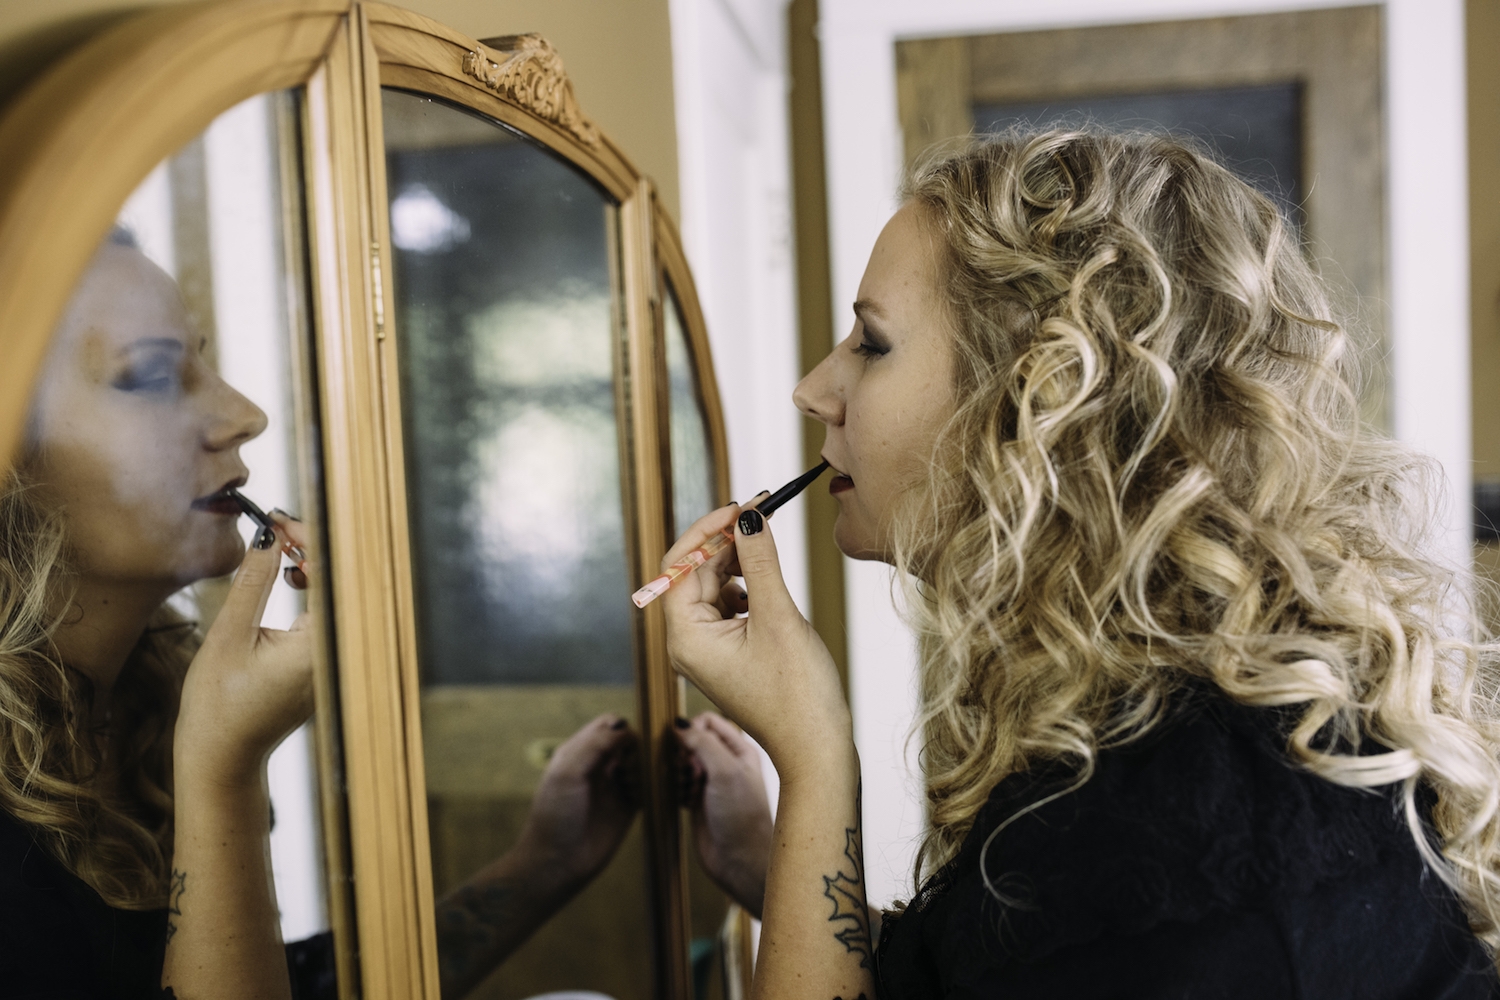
{"x": 868, "y": 349}
{"x": 159, "y": 376}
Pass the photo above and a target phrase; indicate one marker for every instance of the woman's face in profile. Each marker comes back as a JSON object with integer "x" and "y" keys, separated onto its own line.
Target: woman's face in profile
{"x": 887, "y": 390}
{"x": 133, "y": 433}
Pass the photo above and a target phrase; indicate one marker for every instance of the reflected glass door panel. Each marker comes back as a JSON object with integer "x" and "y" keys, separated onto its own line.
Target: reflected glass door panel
{"x": 184, "y": 363}
{"x": 507, "y": 311}
{"x": 692, "y": 455}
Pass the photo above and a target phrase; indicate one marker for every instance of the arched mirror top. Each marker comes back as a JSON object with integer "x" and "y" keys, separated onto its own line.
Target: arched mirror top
{"x": 128, "y": 98}
{"x": 518, "y": 80}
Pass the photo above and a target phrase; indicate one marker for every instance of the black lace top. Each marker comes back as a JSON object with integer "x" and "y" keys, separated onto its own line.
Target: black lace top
{"x": 1198, "y": 863}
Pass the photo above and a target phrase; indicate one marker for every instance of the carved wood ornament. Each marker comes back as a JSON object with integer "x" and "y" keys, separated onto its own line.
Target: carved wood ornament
{"x": 531, "y": 75}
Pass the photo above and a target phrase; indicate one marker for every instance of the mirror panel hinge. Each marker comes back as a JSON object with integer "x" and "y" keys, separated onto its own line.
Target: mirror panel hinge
{"x": 378, "y": 283}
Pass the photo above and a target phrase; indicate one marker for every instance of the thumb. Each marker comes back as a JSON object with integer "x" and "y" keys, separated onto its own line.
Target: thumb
{"x": 252, "y": 585}
{"x": 760, "y": 566}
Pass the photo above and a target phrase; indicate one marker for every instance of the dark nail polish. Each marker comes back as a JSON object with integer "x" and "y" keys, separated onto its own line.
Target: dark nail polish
{"x": 744, "y": 596}
{"x": 680, "y": 722}
{"x": 265, "y": 539}
{"x": 295, "y": 578}
{"x": 751, "y": 522}
{"x": 619, "y": 724}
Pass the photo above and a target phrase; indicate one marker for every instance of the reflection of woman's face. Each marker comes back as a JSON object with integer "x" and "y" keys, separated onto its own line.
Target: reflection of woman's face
{"x": 134, "y": 434}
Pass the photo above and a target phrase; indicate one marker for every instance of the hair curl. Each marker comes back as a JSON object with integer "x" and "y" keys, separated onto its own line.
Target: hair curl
{"x": 1157, "y": 476}
{"x": 49, "y": 760}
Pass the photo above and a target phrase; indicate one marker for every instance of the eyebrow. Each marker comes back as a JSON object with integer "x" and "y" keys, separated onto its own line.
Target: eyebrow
{"x": 157, "y": 343}
{"x": 868, "y": 306}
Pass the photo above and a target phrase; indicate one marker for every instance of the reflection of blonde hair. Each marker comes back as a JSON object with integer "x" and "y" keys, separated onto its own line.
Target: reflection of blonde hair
{"x": 1156, "y": 476}
{"x": 48, "y": 762}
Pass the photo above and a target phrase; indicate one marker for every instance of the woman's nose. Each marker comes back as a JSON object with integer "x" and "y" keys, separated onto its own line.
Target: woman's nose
{"x": 235, "y": 419}
{"x": 819, "y": 395}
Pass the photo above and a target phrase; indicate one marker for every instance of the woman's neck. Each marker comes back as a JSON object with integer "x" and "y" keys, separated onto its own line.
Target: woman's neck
{"x": 101, "y": 626}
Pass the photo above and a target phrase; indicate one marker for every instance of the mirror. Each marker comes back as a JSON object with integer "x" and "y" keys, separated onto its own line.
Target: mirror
{"x": 717, "y": 938}
{"x": 180, "y": 367}
{"x": 507, "y": 306}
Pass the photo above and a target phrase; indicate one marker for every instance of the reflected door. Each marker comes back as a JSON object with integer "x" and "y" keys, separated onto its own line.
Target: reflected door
{"x": 508, "y": 308}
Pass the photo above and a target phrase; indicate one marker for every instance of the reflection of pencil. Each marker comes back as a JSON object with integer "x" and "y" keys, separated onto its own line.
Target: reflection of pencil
{"x": 715, "y": 545}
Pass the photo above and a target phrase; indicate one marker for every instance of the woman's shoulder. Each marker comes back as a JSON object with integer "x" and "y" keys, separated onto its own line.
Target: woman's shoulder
{"x": 1206, "y": 811}
{"x": 1204, "y": 826}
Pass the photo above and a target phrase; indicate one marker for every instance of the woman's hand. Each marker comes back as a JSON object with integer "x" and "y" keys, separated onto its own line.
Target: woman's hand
{"x": 731, "y": 816}
{"x": 581, "y": 812}
{"x": 769, "y": 672}
{"x": 249, "y": 686}
{"x": 585, "y": 802}
{"x": 772, "y": 674}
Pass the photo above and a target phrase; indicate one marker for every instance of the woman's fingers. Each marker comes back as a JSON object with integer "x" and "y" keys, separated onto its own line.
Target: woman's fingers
{"x": 761, "y": 568}
{"x": 701, "y": 530}
{"x": 729, "y": 734}
{"x": 251, "y": 588}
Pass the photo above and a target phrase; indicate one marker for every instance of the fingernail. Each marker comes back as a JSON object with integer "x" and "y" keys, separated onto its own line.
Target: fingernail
{"x": 265, "y": 539}
{"x": 295, "y": 578}
{"x": 680, "y": 722}
{"x": 619, "y": 724}
{"x": 751, "y": 522}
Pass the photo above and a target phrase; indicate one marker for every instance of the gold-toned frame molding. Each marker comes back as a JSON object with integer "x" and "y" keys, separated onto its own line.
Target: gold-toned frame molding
{"x": 417, "y": 54}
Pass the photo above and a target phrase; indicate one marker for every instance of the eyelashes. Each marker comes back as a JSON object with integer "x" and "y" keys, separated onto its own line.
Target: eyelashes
{"x": 868, "y": 349}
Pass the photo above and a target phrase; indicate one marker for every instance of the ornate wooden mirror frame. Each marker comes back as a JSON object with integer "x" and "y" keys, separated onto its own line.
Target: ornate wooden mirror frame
{"x": 81, "y": 137}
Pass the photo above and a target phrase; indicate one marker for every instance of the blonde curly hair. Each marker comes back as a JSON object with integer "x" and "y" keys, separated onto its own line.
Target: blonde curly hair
{"x": 1157, "y": 477}
{"x": 49, "y": 760}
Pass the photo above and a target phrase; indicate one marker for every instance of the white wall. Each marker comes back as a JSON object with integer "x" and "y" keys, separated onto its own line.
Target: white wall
{"x": 1428, "y": 281}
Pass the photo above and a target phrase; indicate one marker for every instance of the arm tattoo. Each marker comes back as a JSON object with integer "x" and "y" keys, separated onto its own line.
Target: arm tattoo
{"x": 471, "y": 924}
{"x": 174, "y": 901}
{"x": 848, "y": 893}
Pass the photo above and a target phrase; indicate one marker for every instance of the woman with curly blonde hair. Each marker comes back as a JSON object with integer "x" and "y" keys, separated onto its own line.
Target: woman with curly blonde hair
{"x": 1194, "y": 719}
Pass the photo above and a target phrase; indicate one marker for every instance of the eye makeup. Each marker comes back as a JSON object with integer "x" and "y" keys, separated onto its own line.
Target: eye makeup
{"x": 715, "y": 545}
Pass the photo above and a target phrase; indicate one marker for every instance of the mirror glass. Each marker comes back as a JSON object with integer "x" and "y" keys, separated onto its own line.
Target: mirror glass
{"x": 507, "y": 313}
{"x": 181, "y": 367}
{"x": 717, "y": 932}
{"x": 693, "y": 487}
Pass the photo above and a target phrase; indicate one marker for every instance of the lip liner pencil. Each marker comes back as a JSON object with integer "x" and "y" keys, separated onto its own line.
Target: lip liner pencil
{"x": 715, "y": 545}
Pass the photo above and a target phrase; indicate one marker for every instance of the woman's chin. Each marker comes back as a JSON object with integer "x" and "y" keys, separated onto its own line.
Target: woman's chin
{"x": 856, "y": 544}
{"x": 225, "y": 559}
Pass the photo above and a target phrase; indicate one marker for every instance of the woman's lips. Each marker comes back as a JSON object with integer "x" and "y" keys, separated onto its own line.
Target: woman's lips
{"x": 839, "y": 484}
{"x": 220, "y": 502}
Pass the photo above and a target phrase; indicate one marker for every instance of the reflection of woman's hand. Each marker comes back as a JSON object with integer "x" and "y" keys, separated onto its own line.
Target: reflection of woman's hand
{"x": 585, "y": 802}
{"x": 248, "y": 687}
{"x": 769, "y": 672}
{"x": 731, "y": 817}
